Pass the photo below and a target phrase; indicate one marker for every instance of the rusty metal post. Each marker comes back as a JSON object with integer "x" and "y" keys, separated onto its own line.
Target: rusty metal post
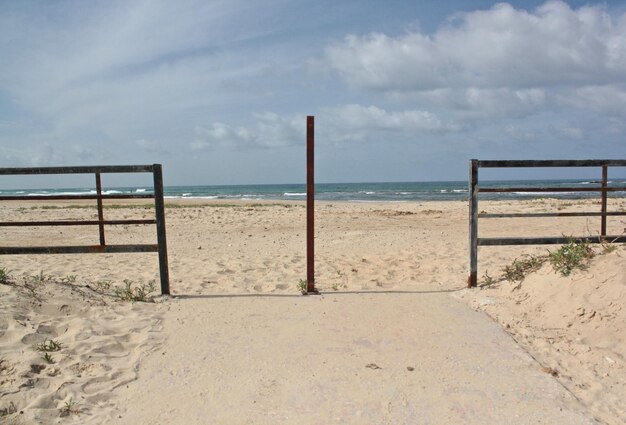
{"x": 310, "y": 205}
{"x": 159, "y": 207}
{"x": 605, "y": 174}
{"x": 472, "y": 280}
{"x": 100, "y": 212}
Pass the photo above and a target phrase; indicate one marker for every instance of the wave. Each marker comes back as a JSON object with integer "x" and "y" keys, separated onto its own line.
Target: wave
{"x": 294, "y": 194}
{"x": 190, "y": 197}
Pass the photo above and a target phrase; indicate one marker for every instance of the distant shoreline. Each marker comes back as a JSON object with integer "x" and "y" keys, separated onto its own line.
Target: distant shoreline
{"x": 352, "y": 192}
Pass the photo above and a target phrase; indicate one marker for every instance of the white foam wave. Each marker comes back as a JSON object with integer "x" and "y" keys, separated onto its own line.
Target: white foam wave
{"x": 190, "y": 197}
{"x": 293, "y": 194}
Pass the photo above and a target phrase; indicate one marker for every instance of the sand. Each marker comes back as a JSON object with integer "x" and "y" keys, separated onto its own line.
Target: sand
{"x": 238, "y": 344}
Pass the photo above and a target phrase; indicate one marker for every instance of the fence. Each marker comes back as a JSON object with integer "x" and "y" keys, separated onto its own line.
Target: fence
{"x": 475, "y": 189}
{"x": 160, "y": 247}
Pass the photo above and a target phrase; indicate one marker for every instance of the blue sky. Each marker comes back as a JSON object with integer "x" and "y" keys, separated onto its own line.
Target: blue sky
{"x": 218, "y": 91}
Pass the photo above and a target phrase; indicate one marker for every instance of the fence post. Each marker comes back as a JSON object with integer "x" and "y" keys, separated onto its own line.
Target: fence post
{"x": 310, "y": 205}
{"x": 603, "y": 208}
{"x": 159, "y": 207}
{"x": 473, "y": 223}
{"x": 100, "y": 213}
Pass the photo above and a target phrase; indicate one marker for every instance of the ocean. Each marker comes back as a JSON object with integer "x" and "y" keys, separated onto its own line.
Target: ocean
{"x": 351, "y": 192}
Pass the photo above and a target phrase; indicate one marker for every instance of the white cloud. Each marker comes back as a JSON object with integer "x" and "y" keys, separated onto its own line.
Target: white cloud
{"x": 357, "y": 117}
{"x": 500, "y": 47}
{"x": 271, "y": 131}
{"x": 572, "y": 133}
{"x": 151, "y": 146}
{"x": 520, "y": 134}
{"x": 334, "y": 124}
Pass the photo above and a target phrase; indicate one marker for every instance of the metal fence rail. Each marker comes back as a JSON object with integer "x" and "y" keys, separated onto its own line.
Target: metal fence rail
{"x": 475, "y": 189}
{"x": 159, "y": 220}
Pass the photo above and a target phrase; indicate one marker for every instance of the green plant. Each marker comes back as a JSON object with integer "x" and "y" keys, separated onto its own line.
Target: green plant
{"x": 69, "y": 408}
{"x": 571, "y": 256}
{"x": 48, "y": 358}
{"x": 488, "y": 279}
{"x": 520, "y": 267}
{"x": 4, "y": 276}
{"x": 302, "y": 286}
{"x": 68, "y": 279}
{"x": 102, "y": 286}
{"x": 137, "y": 293}
{"x": 49, "y": 345}
{"x": 40, "y": 278}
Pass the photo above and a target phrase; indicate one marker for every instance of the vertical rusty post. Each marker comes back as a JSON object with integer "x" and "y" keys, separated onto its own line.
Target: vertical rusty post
{"x": 472, "y": 280}
{"x": 159, "y": 207}
{"x": 310, "y": 205}
{"x": 100, "y": 212}
{"x": 605, "y": 174}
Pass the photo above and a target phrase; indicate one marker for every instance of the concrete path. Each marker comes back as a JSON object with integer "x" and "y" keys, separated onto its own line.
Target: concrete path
{"x": 356, "y": 358}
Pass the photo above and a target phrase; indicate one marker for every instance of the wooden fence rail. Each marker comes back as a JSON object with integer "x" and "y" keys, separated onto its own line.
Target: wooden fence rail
{"x": 475, "y": 189}
{"x": 159, "y": 220}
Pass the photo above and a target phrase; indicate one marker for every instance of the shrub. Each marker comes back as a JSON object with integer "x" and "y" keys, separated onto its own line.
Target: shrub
{"x": 517, "y": 271}
{"x": 136, "y": 293}
{"x": 4, "y": 276}
{"x": 571, "y": 256}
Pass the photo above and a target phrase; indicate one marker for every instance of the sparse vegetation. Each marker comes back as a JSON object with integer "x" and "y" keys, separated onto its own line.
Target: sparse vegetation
{"x": 49, "y": 345}
{"x": 520, "y": 267}
{"x": 47, "y": 358}
{"x": 4, "y": 277}
{"x": 302, "y": 286}
{"x": 69, "y": 408}
{"x": 574, "y": 255}
{"x": 40, "y": 278}
{"x": 102, "y": 286}
{"x": 488, "y": 279}
{"x": 167, "y": 205}
{"x": 68, "y": 279}
{"x": 130, "y": 292}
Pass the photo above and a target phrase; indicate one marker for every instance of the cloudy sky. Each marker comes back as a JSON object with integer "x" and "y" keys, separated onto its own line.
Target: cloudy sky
{"x": 218, "y": 91}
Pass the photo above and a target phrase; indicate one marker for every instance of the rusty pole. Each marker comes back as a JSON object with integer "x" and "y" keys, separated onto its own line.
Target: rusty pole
{"x": 310, "y": 205}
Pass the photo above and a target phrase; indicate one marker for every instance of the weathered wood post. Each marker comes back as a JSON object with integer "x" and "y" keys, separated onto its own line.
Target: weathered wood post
{"x": 100, "y": 212}
{"x": 603, "y": 208}
{"x": 159, "y": 207}
{"x": 310, "y": 205}
{"x": 473, "y": 223}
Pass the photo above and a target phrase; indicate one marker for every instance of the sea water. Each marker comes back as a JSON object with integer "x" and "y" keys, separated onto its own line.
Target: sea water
{"x": 351, "y": 192}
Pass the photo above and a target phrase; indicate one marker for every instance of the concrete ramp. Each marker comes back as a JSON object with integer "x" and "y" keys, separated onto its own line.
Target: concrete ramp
{"x": 351, "y": 358}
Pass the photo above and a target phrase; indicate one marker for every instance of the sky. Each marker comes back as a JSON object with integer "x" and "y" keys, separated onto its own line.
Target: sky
{"x": 218, "y": 91}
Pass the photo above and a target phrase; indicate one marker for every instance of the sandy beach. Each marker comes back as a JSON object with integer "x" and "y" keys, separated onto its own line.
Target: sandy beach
{"x": 394, "y": 337}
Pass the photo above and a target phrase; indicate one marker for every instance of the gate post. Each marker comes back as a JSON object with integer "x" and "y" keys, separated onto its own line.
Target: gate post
{"x": 603, "y": 202}
{"x": 310, "y": 205}
{"x": 159, "y": 207}
{"x": 472, "y": 280}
